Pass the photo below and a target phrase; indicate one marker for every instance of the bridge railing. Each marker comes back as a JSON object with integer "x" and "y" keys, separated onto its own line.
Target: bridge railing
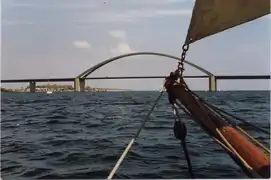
{"x": 79, "y": 84}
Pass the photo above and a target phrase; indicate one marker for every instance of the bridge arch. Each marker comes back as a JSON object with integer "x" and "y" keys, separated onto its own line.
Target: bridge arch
{"x": 99, "y": 65}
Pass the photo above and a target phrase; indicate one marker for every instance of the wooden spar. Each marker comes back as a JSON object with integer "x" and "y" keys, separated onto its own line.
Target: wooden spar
{"x": 254, "y": 160}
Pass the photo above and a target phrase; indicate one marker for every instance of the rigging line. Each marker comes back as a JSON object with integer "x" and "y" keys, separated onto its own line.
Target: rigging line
{"x": 227, "y": 146}
{"x": 258, "y": 143}
{"x": 176, "y": 112}
{"x": 233, "y": 116}
{"x": 134, "y": 138}
{"x": 193, "y": 117}
{"x": 254, "y": 140}
{"x": 216, "y": 110}
{"x": 185, "y": 110}
{"x": 180, "y": 132}
{"x": 233, "y": 150}
{"x": 242, "y": 130}
{"x": 183, "y": 143}
{"x": 215, "y": 139}
{"x": 237, "y": 155}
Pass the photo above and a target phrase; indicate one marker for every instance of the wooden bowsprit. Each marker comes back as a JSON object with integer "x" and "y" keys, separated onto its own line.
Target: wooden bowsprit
{"x": 210, "y": 17}
{"x": 248, "y": 156}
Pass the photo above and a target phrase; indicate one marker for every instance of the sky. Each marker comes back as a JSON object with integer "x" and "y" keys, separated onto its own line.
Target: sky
{"x": 62, "y": 38}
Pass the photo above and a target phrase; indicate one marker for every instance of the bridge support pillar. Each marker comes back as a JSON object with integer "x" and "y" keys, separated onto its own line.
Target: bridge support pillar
{"x": 212, "y": 83}
{"x": 32, "y": 86}
{"x": 79, "y": 85}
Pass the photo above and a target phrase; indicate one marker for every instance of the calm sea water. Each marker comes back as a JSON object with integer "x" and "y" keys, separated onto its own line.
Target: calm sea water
{"x": 82, "y": 135}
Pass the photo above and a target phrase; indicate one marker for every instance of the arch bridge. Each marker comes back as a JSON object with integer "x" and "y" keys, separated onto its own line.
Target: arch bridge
{"x": 79, "y": 81}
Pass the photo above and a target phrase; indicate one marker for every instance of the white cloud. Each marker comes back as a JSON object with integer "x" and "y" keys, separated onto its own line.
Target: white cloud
{"x": 122, "y": 48}
{"x": 248, "y": 49}
{"x": 118, "y": 34}
{"x": 81, "y": 44}
{"x": 16, "y": 22}
{"x": 73, "y": 5}
{"x": 129, "y": 16}
{"x": 155, "y": 13}
{"x": 171, "y": 12}
{"x": 20, "y": 5}
{"x": 162, "y": 2}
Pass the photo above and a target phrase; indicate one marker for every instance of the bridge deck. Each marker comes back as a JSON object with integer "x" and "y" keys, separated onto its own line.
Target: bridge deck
{"x": 231, "y": 77}
{"x": 244, "y": 77}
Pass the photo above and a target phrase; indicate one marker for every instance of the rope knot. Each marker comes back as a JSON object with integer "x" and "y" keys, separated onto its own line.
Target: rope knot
{"x": 169, "y": 82}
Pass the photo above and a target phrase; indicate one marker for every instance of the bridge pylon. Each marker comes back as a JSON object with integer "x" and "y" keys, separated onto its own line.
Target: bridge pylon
{"x": 79, "y": 85}
{"x": 32, "y": 86}
{"x": 212, "y": 83}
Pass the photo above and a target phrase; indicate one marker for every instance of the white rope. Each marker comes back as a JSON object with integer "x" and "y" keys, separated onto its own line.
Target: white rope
{"x": 134, "y": 138}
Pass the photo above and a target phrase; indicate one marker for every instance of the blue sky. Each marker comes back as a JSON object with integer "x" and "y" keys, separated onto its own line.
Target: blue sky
{"x": 62, "y": 38}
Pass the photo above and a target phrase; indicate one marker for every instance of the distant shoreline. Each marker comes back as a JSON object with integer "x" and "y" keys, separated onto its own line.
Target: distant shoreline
{"x": 60, "y": 88}
{"x": 131, "y": 91}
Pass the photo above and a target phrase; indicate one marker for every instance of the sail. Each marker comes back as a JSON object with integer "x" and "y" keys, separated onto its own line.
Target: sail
{"x": 213, "y": 16}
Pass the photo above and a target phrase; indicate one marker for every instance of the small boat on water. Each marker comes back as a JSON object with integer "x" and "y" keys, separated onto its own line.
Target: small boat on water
{"x": 49, "y": 92}
{"x": 210, "y": 17}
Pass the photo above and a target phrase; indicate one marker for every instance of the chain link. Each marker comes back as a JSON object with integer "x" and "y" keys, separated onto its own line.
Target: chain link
{"x": 181, "y": 63}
